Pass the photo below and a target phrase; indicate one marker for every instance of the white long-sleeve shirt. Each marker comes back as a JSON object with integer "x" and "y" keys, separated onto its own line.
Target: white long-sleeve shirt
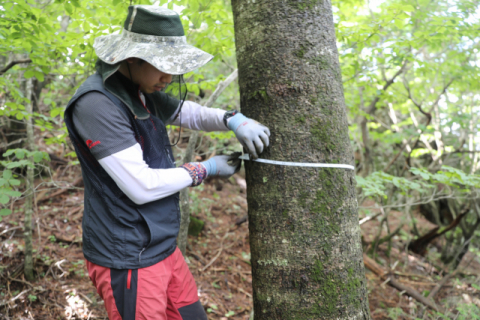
{"x": 108, "y": 133}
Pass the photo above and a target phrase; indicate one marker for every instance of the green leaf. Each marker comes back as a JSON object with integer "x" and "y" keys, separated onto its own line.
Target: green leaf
{"x": 29, "y": 73}
{"x": 86, "y": 26}
{"x": 39, "y": 76}
{"x": 27, "y": 46}
{"x": 9, "y": 152}
{"x": 4, "y": 198}
{"x": 19, "y": 164}
{"x": 68, "y": 8}
{"x": 5, "y": 212}
{"x": 38, "y": 156}
{"x": 16, "y": 35}
{"x": 12, "y": 193}
{"x": 104, "y": 20}
{"x": 14, "y": 182}
{"x": 421, "y": 172}
{"x": 20, "y": 153}
{"x": 12, "y": 105}
{"x": 55, "y": 112}
{"x": 7, "y": 174}
{"x": 399, "y": 23}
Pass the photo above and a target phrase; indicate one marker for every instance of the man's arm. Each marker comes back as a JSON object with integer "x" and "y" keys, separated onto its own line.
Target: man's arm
{"x": 197, "y": 117}
{"x": 138, "y": 181}
{"x": 253, "y": 136}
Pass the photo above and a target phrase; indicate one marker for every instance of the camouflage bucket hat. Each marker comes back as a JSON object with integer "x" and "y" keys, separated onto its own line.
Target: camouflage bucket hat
{"x": 153, "y": 34}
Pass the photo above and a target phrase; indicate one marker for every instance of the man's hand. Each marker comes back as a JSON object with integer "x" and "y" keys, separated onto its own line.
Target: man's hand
{"x": 252, "y": 135}
{"x": 223, "y": 166}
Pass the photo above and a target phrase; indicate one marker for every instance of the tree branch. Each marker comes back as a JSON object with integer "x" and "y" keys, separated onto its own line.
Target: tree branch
{"x": 375, "y": 268}
{"x": 13, "y": 63}
{"x": 366, "y": 219}
{"x": 373, "y": 104}
{"x": 221, "y": 86}
{"x": 419, "y": 245}
{"x": 370, "y": 110}
{"x": 418, "y": 105}
{"x": 444, "y": 90}
{"x": 404, "y": 145}
{"x": 435, "y": 291}
{"x": 429, "y": 117}
{"x": 189, "y": 153}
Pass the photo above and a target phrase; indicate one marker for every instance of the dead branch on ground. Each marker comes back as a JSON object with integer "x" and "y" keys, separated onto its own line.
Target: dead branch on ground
{"x": 378, "y": 270}
{"x": 419, "y": 246}
{"x": 75, "y": 184}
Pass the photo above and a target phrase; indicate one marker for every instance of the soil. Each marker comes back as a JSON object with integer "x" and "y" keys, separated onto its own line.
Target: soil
{"x": 218, "y": 258}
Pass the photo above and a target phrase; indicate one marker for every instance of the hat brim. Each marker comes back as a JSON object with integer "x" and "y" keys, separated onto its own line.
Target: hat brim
{"x": 169, "y": 57}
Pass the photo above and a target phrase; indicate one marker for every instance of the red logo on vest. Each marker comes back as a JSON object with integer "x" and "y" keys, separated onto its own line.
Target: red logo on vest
{"x": 92, "y": 144}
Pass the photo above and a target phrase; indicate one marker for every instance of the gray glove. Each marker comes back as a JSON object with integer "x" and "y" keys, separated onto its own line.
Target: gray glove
{"x": 223, "y": 166}
{"x": 252, "y": 135}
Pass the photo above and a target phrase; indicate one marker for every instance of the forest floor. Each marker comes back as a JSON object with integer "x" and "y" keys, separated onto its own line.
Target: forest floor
{"x": 218, "y": 258}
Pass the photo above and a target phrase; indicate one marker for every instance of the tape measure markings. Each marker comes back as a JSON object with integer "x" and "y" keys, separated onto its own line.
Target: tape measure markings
{"x": 246, "y": 156}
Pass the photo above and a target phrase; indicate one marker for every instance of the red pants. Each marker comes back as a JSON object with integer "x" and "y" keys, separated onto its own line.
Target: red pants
{"x": 164, "y": 291}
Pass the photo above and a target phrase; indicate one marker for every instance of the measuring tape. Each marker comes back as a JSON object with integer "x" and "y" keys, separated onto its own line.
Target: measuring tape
{"x": 246, "y": 156}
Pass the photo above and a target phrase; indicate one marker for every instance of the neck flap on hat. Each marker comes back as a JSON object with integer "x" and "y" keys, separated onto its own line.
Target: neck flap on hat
{"x": 125, "y": 90}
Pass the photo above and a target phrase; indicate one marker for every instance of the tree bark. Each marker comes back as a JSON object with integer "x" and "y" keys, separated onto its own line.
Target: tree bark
{"x": 305, "y": 243}
{"x": 184, "y": 198}
{"x": 28, "y": 269}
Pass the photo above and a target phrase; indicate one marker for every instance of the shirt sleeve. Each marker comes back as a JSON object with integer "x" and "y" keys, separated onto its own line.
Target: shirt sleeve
{"x": 102, "y": 126}
{"x": 110, "y": 137}
{"x": 197, "y": 117}
{"x": 138, "y": 181}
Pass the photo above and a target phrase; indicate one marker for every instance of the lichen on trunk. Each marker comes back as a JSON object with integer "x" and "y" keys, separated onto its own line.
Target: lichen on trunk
{"x": 304, "y": 234}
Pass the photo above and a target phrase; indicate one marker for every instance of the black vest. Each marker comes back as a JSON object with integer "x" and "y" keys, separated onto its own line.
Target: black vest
{"x": 117, "y": 233}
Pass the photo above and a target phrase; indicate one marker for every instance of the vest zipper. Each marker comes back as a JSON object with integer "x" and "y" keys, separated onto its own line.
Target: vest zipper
{"x": 169, "y": 156}
{"x": 144, "y": 105}
{"x": 140, "y": 255}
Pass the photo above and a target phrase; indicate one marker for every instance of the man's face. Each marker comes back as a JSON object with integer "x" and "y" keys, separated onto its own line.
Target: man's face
{"x": 149, "y": 78}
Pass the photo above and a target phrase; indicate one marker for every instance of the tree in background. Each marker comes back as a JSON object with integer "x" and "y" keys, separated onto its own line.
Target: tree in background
{"x": 307, "y": 258}
{"x": 411, "y": 80}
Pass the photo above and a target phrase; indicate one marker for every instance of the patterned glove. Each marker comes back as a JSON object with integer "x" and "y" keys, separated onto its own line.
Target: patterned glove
{"x": 223, "y": 166}
{"x": 252, "y": 135}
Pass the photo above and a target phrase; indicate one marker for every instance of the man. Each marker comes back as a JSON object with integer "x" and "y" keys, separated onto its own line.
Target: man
{"x": 116, "y": 121}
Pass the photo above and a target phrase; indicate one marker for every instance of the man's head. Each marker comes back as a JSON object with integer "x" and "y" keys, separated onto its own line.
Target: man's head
{"x": 147, "y": 77}
{"x": 155, "y": 35}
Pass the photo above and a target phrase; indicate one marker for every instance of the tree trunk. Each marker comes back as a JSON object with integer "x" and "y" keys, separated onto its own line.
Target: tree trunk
{"x": 28, "y": 270}
{"x": 305, "y": 243}
{"x": 184, "y": 198}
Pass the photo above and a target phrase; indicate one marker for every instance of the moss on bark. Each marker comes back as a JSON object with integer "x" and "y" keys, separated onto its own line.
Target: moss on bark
{"x": 304, "y": 235}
